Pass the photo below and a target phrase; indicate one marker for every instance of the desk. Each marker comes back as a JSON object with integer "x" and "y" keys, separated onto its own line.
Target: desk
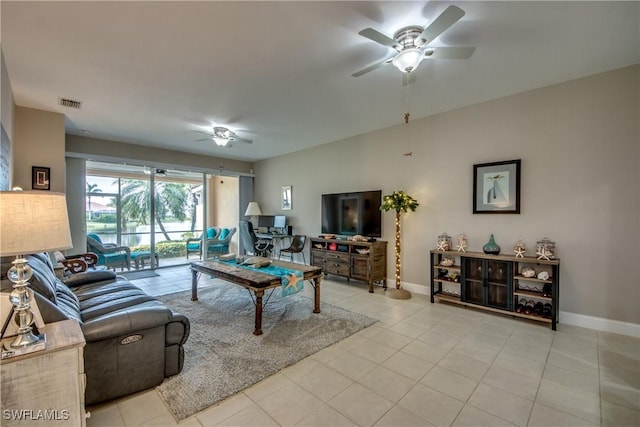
{"x": 254, "y": 281}
{"x": 276, "y": 239}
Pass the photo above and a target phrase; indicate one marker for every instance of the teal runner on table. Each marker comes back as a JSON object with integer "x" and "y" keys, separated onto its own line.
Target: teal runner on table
{"x": 292, "y": 281}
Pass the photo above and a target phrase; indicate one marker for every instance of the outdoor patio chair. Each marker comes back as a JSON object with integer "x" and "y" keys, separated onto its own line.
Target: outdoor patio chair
{"x": 109, "y": 254}
{"x": 220, "y": 245}
{"x": 194, "y": 244}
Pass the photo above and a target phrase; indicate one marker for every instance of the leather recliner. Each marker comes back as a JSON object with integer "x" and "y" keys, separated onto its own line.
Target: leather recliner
{"x": 133, "y": 340}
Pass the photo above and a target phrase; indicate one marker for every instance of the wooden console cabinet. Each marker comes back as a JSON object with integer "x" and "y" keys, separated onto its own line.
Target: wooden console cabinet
{"x": 365, "y": 261}
{"x": 494, "y": 282}
{"x": 46, "y": 388}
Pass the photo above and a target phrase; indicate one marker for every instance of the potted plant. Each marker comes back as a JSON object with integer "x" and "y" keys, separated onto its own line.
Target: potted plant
{"x": 401, "y": 202}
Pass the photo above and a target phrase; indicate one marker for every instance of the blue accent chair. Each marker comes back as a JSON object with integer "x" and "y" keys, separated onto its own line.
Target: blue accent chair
{"x": 220, "y": 245}
{"x": 109, "y": 254}
{"x": 194, "y": 244}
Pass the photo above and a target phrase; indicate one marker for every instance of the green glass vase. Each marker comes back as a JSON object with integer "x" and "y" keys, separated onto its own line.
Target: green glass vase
{"x": 491, "y": 247}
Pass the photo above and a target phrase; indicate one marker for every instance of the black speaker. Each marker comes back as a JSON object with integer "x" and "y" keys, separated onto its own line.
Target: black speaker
{"x": 289, "y": 230}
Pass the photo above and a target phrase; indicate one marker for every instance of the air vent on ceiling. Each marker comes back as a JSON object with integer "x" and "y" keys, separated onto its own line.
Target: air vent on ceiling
{"x": 70, "y": 103}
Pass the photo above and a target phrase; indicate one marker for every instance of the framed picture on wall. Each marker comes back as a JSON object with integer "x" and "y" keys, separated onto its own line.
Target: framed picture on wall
{"x": 285, "y": 198}
{"x": 40, "y": 178}
{"x": 496, "y": 187}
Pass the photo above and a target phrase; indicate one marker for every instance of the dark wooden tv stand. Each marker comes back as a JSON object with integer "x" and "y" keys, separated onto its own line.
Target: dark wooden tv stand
{"x": 365, "y": 261}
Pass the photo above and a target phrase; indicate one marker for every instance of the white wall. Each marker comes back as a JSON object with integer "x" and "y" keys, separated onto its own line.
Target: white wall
{"x": 579, "y": 145}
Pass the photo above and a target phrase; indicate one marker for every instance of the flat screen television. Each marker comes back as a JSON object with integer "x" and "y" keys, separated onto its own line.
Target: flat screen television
{"x": 354, "y": 213}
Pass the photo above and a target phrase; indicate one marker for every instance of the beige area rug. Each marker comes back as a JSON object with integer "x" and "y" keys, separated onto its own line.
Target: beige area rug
{"x": 223, "y": 357}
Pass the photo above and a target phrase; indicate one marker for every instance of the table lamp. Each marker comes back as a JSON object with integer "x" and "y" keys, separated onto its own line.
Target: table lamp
{"x": 30, "y": 222}
{"x": 253, "y": 210}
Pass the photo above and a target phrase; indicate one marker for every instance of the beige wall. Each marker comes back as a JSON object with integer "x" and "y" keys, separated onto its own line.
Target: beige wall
{"x": 100, "y": 149}
{"x": 76, "y": 196}
{"x": 579, "y": 146}
{"x": 38, "y": 141}
{"x": 223, "y": 202}
{"x": 7, "y": 108}
{"x": 7, "y": 105}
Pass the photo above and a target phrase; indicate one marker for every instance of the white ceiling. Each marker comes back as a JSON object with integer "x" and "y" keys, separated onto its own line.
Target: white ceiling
{"x": 279, "y": 73}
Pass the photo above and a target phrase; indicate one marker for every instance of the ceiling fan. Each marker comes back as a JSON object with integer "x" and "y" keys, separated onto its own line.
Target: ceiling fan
{"x": 412, "y": 43}
{"x": 222, "y": 137}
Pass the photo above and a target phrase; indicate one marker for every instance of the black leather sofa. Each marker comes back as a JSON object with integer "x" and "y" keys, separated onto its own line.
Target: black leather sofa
{"x": 133, "y": 341}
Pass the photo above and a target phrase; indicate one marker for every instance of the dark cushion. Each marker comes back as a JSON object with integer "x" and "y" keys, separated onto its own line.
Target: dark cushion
{"x": 44, "y": 277}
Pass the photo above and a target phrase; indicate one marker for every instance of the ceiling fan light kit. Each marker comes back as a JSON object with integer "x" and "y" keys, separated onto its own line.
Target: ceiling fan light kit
{"x": 408, "y": 60}
{"x": 412, "y": 43}
{"x": 223, "y": 136}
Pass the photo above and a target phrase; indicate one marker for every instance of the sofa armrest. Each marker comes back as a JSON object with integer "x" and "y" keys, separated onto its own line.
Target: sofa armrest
{"x": 178, "y": 329}
{"x": 87, "y": 277}
{"x": 127, "y": 321}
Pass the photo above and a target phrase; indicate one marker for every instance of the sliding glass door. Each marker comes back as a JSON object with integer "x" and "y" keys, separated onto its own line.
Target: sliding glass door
{"x": 178, "y": 214}
{"x": 151, "y": 211}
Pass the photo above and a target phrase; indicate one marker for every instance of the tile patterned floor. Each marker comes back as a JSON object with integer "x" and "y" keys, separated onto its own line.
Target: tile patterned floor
{"x": 422, "y": 364}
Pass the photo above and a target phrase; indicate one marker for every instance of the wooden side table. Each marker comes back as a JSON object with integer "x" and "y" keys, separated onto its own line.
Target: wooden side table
{"x": 46, "y": 388}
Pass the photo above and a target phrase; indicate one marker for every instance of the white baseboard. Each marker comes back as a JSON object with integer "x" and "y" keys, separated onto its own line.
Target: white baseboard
{"x": 411, "y": 287}
{"x": 600, "y": 324}
{"x": 575, "y": 319}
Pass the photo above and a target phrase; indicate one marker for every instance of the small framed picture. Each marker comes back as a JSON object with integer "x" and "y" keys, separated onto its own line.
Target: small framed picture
{"x": 40, "y": 178}
{"x": 285, "y": 201}
{"x": 496, "y": 187}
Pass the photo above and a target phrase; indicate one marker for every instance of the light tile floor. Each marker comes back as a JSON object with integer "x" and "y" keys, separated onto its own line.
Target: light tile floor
{"x": 422, "y": 364}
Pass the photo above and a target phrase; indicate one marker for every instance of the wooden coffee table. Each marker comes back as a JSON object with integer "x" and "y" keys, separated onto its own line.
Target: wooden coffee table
{"x": 254, "y": 280}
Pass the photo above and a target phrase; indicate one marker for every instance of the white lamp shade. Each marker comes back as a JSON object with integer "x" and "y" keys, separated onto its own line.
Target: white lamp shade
{"x": 408, "y": 60}
{"x": 253, "y": 209}
{"x": 32, "y": 222}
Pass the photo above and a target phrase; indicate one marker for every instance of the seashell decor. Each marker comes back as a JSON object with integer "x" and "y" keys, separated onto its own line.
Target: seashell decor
{"x": 527, "y": 271}
{"x": 446, "y": 262}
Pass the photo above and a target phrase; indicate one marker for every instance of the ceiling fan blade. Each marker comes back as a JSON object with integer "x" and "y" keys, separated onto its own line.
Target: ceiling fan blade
{"x": 450, "y": 16}
{"x": 202, "y": 132}
{"x": 449, "y": 52}
{"x": 236, "y": 138}
{"x": 372, "y": 67}
{"x": 378, "y": 37}
{"x": 408, "y": 78}
{"x": 204, "y": 139}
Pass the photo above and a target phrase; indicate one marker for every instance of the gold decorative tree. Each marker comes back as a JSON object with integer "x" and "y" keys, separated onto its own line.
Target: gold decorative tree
{"x": 401, "y": 202}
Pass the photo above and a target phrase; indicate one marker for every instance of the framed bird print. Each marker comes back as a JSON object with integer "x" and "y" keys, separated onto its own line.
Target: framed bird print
{"x": 285, "y": 198}
{"x": 496, "y": 187}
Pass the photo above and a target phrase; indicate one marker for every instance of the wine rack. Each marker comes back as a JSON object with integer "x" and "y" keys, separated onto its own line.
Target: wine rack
{"x": 495, "y": 282}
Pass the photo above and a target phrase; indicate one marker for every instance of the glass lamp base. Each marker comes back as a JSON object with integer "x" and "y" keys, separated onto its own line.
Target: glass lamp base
{"x": 27, "y": 339}
{"x": 9, "y": 351}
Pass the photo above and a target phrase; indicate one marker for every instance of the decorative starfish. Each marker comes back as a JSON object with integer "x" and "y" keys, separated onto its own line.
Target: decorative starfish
{"x": 462, "y": 244}
{"x": 543, "y": 253}
{"x": 292, "y": 281}
{"x": 442, "y": 245}
{"x": 520, "y": 252}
